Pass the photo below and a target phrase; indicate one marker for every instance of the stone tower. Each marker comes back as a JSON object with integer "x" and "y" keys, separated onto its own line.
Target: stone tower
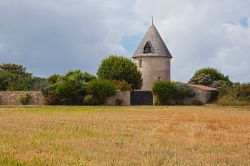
{"x": 153, "y": 59}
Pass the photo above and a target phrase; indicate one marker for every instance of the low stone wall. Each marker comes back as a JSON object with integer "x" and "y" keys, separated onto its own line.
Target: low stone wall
{"x": 13, "y": 97}
{"x": 203, "y": 94}
{"x": 124, "y": 96}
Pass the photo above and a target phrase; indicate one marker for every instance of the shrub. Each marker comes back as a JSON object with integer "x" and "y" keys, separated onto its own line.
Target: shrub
{"x": 122, "y": 85}
{"x": 120, "y": 68}
{"x": 25, "y": 98}
{"x": 118, "y": 102}
{"x": 54, "y": 78}
{"x": 201, "y": 79}
{"x": 209, "y": 77}
{"x": 163, "y": 90}
{"x": 101, "y": 89}
{"x": 238, "y": 95}
{"x": 242, "y": 92}
{"x": 69, "y": 90}
{"x": 50, "y": 95}
{"x": 230, "y": 101}
{"x": 171, "y": 92}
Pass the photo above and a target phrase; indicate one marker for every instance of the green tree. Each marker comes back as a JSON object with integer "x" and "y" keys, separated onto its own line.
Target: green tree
{"x": 77, "y": 75}
{"x": 5, "y": 79}
{"x": 14, "y": 77}
{"x": 39, "y": 83}
{"x": 120, "y": 68}
{"x": 14, "y": 69}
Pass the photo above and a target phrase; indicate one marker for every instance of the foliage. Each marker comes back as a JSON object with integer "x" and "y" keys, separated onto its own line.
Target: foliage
{"x": 14, "y": 69}
{"x": 163, "y": 90}
{"x": 77, "y": 75}
{"x": 100, "y": 89}
{"x": 20, "y": 83}
{"x": 65, "y": 92}
{"x": 122, "y": 85}
{"x": 176, "y": 91}
{"x": 14, "y": 77}
{"x": 25, "y": 98}
{"x": 120, "y": 68}
{"x": 89, "y": 100}
{"x": 39, "y": 83}
{"x": 54, "y": 78}
{"x": 210, "y": 77}
{"x": 69, "y": 89}
{"x": 5, "y": 79}
{"x": 242, "y": 92}
{"x": 237, "y": 95}
{"x": 230, "y": 101}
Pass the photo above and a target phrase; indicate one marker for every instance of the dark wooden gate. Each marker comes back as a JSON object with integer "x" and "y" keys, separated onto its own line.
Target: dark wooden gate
{"x": 141, "y": 98}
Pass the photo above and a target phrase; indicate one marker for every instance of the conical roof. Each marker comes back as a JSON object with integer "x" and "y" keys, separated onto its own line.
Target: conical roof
{"x": 152, "y": 45}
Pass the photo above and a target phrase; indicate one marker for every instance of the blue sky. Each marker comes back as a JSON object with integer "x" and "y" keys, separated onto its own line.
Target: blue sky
{"x": 52, "y": 36}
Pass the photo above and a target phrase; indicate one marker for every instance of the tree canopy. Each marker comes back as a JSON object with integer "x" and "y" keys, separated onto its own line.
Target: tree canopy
{"x": 120, "y": 68}
{"x": 15, "y": 77}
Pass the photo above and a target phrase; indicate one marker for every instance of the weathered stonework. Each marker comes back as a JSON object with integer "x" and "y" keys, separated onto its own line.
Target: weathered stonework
{"x": 202, "y": 93}
{"x": 124, "y": 96}
{"x": 153, "y": 69}
{"x": 13, "y": 97}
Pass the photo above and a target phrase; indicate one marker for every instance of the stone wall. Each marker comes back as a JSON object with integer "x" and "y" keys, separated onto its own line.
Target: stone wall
{"x": 124, "y": 96}
{"x": 13, "y": 97}
{"x": 203, "y": 94}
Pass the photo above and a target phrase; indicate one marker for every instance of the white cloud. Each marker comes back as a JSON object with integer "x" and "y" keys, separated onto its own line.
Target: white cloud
{"x": 198, "y": 35}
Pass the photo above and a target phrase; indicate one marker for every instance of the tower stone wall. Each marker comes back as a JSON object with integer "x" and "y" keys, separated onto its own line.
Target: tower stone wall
{"x": 153, "y": 69}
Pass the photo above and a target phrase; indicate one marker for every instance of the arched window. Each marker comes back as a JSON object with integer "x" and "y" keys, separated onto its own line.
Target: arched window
{"x": 148, "y": 48}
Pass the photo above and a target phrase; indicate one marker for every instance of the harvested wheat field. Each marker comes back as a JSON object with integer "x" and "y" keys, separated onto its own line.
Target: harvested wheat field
{"x": 207, "y": 135}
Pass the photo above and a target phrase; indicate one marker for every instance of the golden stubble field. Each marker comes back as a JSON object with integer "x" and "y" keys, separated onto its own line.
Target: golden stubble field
{"x": 207, "y": 135}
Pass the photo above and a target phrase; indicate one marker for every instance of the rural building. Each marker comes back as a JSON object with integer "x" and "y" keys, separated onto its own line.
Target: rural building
{"x": 153, "y": 59}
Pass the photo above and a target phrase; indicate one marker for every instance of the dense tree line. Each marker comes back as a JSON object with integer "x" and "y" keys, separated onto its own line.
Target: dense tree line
{"x": 75, "y": 87}
{"x": 116, "y": 73}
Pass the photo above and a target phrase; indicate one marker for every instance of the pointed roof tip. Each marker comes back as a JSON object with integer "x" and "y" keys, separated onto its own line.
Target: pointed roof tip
{"x": 152, "y": 20}
{"x": 158, "y": 45}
